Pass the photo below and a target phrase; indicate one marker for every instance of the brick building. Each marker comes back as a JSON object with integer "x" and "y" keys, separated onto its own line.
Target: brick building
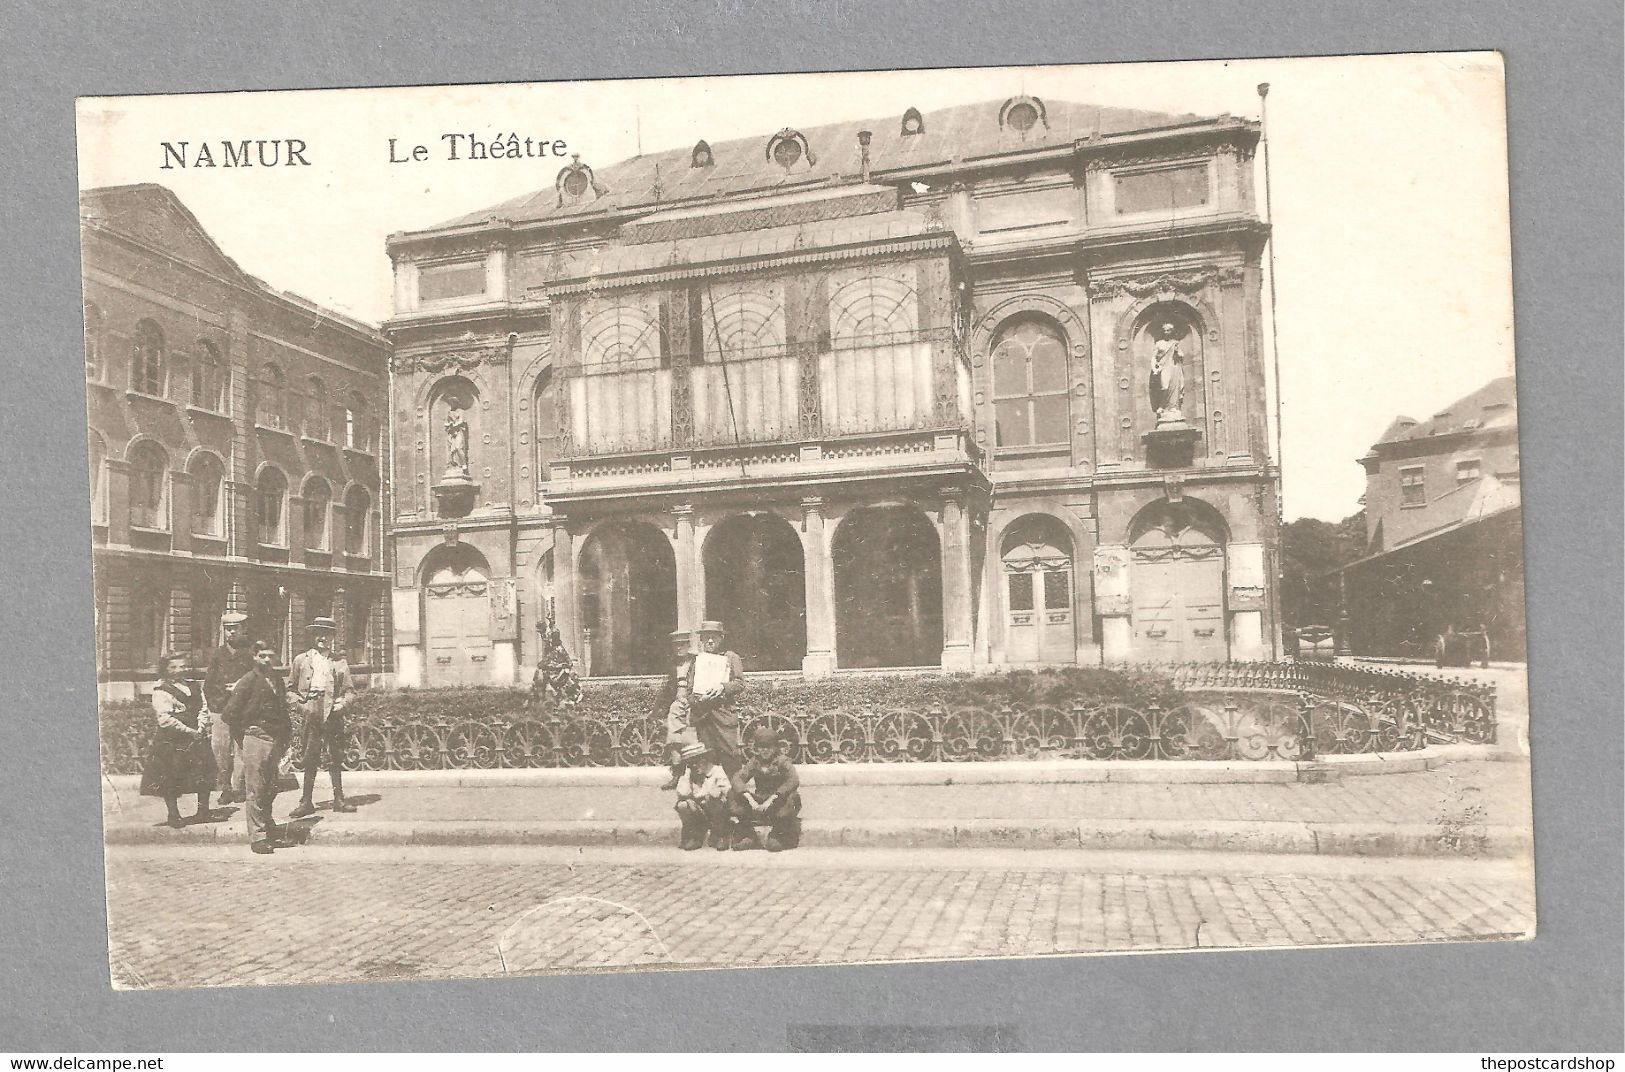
{"x": 977, "y": 387}
{"x": 235, "y": 448}
{"x": 1444, "y": 527}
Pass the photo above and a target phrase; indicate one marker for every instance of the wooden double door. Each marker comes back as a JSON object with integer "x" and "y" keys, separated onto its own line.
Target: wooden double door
{"x": 1039, "y": 626}
{"x": 1178, "y": 601}
{"x": 457, "y": 628}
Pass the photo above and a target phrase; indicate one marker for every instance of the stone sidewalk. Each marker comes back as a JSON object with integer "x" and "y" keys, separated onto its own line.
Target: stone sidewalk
{"x": 343, "y": 914}
{"x": 1457, "y": 808}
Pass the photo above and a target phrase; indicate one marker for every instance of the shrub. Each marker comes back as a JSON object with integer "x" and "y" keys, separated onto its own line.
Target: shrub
{"x": 1061, "y": 687}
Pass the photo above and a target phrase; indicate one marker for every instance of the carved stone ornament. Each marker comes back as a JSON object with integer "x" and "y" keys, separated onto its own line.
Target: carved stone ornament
{"x": 1189, "y": 151}
{"x": 455, "y": 361}
{"x": 1166, "y": 284}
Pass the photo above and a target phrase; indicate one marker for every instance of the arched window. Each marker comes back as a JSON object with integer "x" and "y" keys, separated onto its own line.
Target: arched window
{"x": 208, "y": 481}
{"x": 357, "y": 435}
{"x": 316, "y": 421}
{"x": 208, "y": 604}
{"x": 1029, "y": 385}
{"x": 740, "y": 322}
{"x": 870, "y": 306}
{"x": 98, "y": 482}
{"x": 270, "y": 410}
{"x": 358, "y": 615}
{"x": 271, "y": 495}
{"x": 318, "y": 497}
{"x": 149, "y": 486}
{"x": 209, "y": 377}
{"x": 95, "y": 356}
{"x": 621, "y": 334}
{"x": 147, "y": 360}
{"x": 149, "y": 614}
{"x": 357, "y": 520}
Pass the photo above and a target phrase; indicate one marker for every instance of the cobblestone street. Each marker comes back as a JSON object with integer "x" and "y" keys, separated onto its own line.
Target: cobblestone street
{"x": 350, "y": 914}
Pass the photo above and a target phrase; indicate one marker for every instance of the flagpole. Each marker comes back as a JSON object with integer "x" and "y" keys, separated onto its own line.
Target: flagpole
{"x": 1275, "y": 342}
{"x": 1275, "y": 355}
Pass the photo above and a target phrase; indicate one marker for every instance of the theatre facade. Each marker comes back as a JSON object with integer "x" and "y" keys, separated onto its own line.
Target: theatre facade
{"x": 974, "y": 388}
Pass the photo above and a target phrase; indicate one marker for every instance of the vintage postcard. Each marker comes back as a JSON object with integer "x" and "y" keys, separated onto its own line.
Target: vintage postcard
{"x": 805, "y": 519}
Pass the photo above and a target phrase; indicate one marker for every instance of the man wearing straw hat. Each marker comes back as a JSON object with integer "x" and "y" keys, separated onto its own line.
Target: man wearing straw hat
{"x": 718, "y": 679}
{"x": 320, "y": 684}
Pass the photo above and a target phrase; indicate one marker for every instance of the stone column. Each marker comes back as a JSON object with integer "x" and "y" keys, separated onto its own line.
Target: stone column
{"x": 564, "y": 589}
{"x": 954, "y": 528}
{"x": 689, "y": 597}
{"x": 818, "y": 573}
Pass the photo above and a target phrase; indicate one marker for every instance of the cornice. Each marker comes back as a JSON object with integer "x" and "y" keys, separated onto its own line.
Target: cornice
{"x": 943, "y": 240}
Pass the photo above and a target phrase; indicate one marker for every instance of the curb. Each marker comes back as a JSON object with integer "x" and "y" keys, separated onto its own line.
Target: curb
{"x": 1294, "y": 838}
{"x": 1003, "y": 772}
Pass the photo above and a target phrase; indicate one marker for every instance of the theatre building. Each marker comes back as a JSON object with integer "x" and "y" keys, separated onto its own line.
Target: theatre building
{"x": 974, "y": 388}
{"x": 235, "y": 456}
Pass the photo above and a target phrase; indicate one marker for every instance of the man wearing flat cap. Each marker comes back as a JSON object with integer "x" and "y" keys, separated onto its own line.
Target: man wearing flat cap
{"x": 718, "y": 679}
{"x": 227, "y": 666}
{"x": 320, "y": 685}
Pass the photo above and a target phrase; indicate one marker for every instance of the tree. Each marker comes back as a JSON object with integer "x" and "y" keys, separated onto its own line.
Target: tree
{"x": 1311, "y": 548}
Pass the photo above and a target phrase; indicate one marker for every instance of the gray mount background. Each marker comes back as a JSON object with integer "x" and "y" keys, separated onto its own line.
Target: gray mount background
{"x": 1560, "y": 992}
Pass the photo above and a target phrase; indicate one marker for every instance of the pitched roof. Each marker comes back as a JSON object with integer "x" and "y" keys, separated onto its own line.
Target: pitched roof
{"x": 1494, "y": 405}
{"x": 963, "y": 133}
{"x": 151, "y": 214}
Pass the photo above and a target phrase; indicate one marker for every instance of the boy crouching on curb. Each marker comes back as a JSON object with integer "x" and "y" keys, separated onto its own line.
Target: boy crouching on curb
{"x": 766, "y": 790}
{"x": 702, "y": 800}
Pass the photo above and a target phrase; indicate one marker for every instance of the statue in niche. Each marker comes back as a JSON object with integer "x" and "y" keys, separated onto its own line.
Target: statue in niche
{"x": 456, "y": 442}
{"x": 1167, "y": 381}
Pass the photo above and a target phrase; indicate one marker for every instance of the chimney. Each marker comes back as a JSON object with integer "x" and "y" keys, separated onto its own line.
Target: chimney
{"x": 863, "y": 145}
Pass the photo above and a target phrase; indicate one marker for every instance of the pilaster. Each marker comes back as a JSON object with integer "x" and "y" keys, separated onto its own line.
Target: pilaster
{"x": 689, "y": 597}
{"x": 818, "y": 574}
{"x": 954, "y": 530}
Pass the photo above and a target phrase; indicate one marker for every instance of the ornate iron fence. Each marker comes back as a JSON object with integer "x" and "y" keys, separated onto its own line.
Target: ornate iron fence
{"x": 1234, "y": 711}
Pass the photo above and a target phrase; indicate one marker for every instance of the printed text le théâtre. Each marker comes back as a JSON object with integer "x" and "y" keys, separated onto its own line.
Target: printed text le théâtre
{"x": 473, "y": 147}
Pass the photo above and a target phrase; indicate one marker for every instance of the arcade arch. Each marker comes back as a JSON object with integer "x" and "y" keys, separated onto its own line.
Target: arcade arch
{"x": 888, "y": 588}
{"x": 755, "y": 586}
{"x": 628, "y": 586}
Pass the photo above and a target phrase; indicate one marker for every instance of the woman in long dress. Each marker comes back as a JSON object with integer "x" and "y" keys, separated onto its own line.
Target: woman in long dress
{"x": 180, "y": 760}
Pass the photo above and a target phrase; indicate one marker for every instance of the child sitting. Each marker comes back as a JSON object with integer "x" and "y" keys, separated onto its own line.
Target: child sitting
{"x": 766, "y": 790}
{"x": 702, "y": 800}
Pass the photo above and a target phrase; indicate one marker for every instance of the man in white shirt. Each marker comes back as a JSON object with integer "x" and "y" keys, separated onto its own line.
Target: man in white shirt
{"x": 719, "y": 677}
{"x": 320, "y": 685}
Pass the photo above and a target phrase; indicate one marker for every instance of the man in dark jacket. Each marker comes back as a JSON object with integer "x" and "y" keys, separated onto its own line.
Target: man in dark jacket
{"x": 257, "y": 715}
{"x": 227, "y": 665}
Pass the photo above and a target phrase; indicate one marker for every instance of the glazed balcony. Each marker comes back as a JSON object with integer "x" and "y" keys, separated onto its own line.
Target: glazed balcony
{"x": 896, "y": 402}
